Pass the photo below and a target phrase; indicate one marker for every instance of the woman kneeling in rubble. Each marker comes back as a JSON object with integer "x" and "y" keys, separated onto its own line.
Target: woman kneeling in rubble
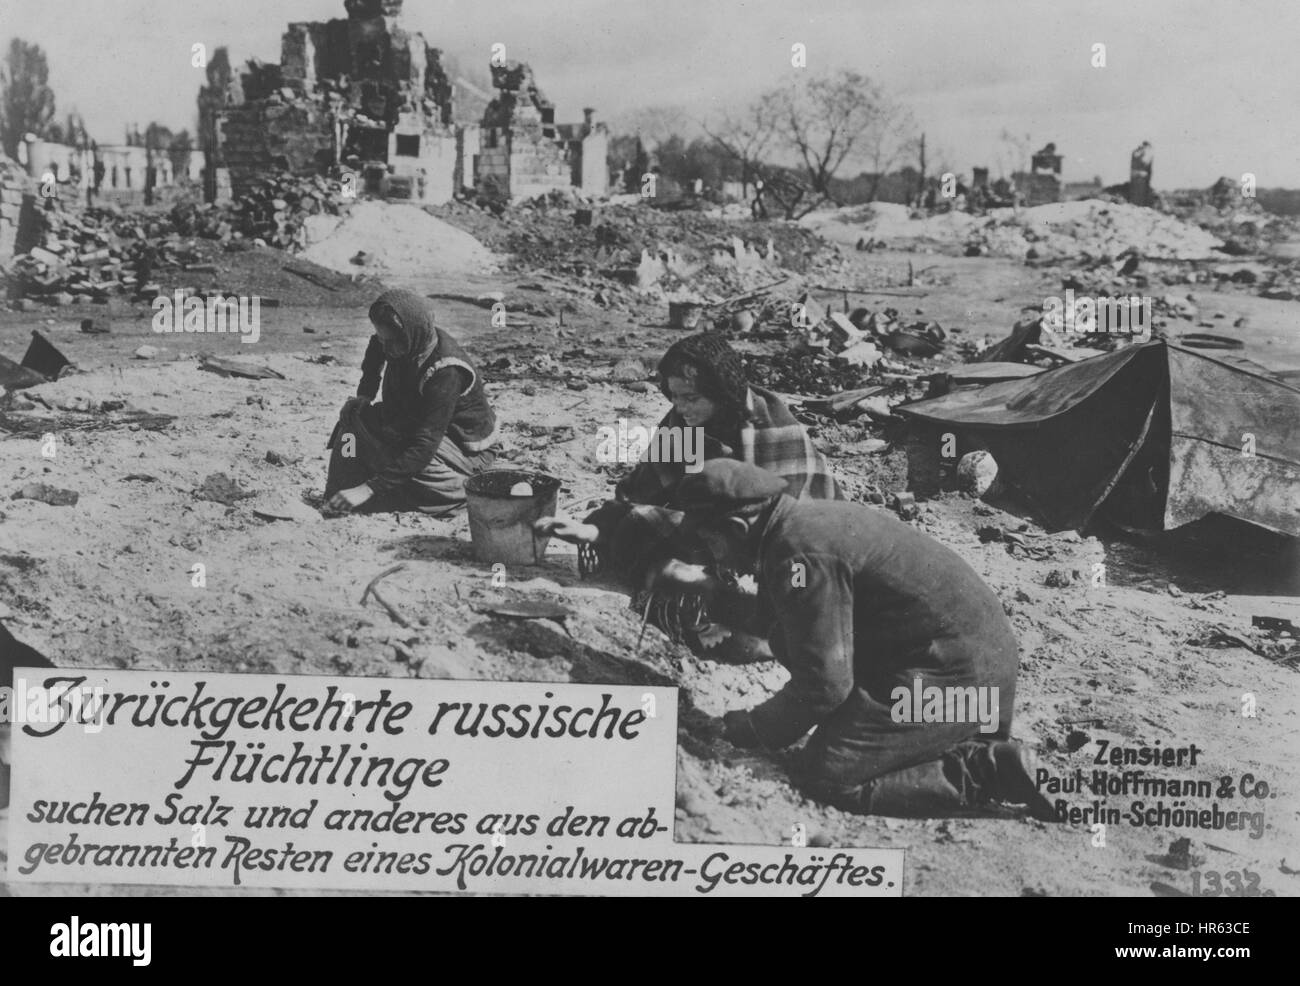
{"x": 433, "y": 429}
{"x": 637, "y": 537}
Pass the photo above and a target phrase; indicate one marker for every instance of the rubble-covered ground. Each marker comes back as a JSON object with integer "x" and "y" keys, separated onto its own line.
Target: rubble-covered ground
{"x": 1157, "y": 652}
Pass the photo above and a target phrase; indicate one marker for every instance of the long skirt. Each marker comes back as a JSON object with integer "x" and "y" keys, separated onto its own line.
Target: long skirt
{"x": 437, "y": 489}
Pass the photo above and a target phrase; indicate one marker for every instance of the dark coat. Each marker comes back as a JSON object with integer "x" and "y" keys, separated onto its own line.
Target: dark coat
{"x": 859, "y": 598}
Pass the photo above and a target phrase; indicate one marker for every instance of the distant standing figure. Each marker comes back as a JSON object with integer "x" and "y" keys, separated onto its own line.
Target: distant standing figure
{"x": 1139, "y": 183}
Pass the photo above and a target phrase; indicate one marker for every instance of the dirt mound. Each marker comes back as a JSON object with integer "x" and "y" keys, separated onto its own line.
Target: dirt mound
{"x": 397, "y": 239}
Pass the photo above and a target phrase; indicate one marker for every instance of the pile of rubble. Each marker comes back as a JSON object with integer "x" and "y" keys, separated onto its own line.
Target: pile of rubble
{"x": 1056, "y": 231}
{"x": 1239, "y": 220}
{"x": 92, "y": 254}
{"x": 95, "y": 254}
{"x": 819, "y": 351}
{"x": 1093, "y": 228}
{"x": 862, "y": 337}
{"x": 625, "y": 255}
{"x": 275, "y": 210}
{"x": 803, "y": 373}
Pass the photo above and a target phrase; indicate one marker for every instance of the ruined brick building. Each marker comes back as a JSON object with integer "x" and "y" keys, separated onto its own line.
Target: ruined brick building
{"x": 363, "y": 94}
{"x": 523, "y": 152}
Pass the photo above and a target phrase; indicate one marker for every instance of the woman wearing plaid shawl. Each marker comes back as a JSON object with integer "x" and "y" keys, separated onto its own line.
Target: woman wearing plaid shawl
{"x": 637, "y": 537}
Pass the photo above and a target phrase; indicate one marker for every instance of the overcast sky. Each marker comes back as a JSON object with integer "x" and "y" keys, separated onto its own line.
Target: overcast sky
{"x": 1214, "y": 86}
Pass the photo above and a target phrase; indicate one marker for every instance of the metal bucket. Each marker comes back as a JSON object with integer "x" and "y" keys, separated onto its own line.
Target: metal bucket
{"x": 501, "y": 525}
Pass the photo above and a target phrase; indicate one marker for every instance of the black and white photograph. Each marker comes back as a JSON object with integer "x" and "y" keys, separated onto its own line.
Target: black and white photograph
{"x": 575, "y": 448}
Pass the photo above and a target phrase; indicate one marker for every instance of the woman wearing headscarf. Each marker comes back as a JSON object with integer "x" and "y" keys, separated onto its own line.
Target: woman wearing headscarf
{"x": 637, "y": 537}
{"x": 433, "y": 428}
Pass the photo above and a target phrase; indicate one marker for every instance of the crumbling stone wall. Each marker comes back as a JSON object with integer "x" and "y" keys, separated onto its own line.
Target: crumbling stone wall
{"x": 1037, "y": 189}
{"x": 312, "y": 51}
{"x": 368, "y": 94}
{"x": 17, "y": 207}
{"x": 340, "y": 90}
{"x": 519, "y": 155}
{"x": 273, "y": 135}
{"x": 423, "y": 163}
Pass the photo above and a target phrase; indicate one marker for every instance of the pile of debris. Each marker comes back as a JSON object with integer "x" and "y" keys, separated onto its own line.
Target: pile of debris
{"x": 273, "y": 210}
{"x": 96, "y": 253}
{"x": 1056, "y": 231}
{"x": 91, "y": 254}
{"x": 821, "y": 352}
{"x": 1077, "y": 328}
{"x": 1243, "y": 224}
{"x": 626, "y": 255}
{"x": 805, "y": 374}
{"x": 861, "y": 337}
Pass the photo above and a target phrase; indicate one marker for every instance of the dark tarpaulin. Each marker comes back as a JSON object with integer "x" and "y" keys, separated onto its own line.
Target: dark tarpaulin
{"x": 1157, "y": 430}
{"x": 1217, "y": 410}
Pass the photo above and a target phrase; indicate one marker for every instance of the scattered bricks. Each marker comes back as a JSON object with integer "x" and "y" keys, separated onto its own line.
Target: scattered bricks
{"x": 99, "y": 252}
{"x": 96, "y": 326}
{"x": 843, "y": 334}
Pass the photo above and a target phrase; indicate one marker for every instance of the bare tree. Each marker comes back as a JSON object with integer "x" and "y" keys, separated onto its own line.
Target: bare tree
{"x": 828, "y": 119}
{"x": 27, "y": 104}
{"x": 746, "y": 137}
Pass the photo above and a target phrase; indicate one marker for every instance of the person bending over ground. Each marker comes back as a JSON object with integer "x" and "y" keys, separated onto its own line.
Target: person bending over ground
{"x": 861, "y": 606}
{"x": 434, "y": 427}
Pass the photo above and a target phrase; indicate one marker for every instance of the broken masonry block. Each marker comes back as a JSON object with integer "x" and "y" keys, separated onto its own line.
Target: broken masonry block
{"x": 904, "y": 504}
